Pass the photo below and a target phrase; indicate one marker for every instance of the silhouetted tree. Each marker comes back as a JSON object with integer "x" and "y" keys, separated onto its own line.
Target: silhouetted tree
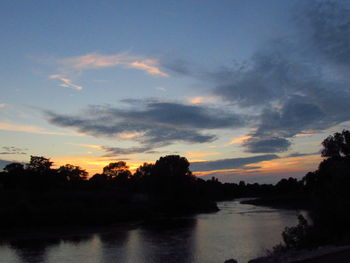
{"x": 72, "y": 173}
{"x": 172, "y": 166}
{"x": 337, "y": 145}
{"x": 143, "y": 171}
{"x": 39, "y": 164}
{"x": 118, "y": 171}
{"x": 14, "y": 168}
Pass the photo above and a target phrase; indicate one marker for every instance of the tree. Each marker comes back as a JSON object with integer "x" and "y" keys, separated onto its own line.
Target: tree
{"x": 72, "y": 173}
{"x": 144, "y": 171}
{"x": 172, "y": 166}
{"x": 14, "y": 168}
{"x": 117, "y": 170}
{"x": 39, "y": 164}
{"x": 337, "y": 145}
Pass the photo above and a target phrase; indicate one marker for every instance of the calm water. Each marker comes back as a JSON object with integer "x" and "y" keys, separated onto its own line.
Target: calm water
{"x": 236, "y": 231}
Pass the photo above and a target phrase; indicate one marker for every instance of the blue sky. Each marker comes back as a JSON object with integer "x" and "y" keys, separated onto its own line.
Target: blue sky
{"x": 247, "y": 88}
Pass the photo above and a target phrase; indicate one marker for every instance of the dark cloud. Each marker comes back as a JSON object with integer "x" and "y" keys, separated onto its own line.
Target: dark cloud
{"x": 115, "y": 151}
{"x": 267, "y": 145}
{"x": 13, "y": 150}
{"x": 326, "y": 25}
{"x": 233, "y": 163}
{"x": 158, "y": 123}
{"x": 298, "y": 83}
{"x": 297, "y": 154}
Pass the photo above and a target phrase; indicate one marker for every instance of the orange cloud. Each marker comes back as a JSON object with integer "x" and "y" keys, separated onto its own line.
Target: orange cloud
{"x": 27, "y": 128}
{"x": 280, "y": 166}
{"x": 95, "y": 60}
{"x": 191, "y": 155}
{"x": 240, "y": 140}
{"x": 91, "y": 146}
{"x": 303, "y": 134}
{"x": 147, "y": 66}
{"x": 65, "y": 82}
{"x": 289, "y": 164}
{"x": 130, "y": 135}
{"x": 201, "y": 99}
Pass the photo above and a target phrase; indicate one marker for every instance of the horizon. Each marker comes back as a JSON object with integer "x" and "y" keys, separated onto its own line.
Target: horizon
{"x": 243, "y": 91}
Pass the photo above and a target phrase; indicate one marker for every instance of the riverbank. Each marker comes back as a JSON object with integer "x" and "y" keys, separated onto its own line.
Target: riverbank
{"x": 292, "y": 202}
{"x": 321, "y": 255}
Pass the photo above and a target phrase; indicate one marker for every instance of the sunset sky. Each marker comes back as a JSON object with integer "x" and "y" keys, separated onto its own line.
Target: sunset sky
{"x": 246, "y": 90}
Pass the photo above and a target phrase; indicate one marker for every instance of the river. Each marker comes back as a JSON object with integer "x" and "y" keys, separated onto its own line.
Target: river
{"x": 237, "y": 231}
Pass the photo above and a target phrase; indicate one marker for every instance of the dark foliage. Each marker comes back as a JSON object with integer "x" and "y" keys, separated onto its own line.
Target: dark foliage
{"x": 328, "y": 189}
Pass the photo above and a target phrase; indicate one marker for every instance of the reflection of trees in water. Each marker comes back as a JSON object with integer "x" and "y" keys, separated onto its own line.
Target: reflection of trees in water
{"x": 169, "y": 240}
{"x": 35, "y": 250}
{"x": 113, "y": 246}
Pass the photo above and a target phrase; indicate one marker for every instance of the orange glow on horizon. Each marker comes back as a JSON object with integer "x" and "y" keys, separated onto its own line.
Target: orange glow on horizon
{"x": 276, "y": 166}
{"x": 91, "y": 164}
{"x": 191, "y": 155}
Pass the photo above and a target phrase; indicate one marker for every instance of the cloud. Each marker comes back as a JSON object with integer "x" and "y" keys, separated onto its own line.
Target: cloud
{"x": 65, "y": 82}
{"x": 115, "y": 151}
{"x": 201, "y": 99}
{"x": 152, "y": 123}
{"x": 240, "y": 139}
{"x": 326, "y": 27}
{"x": 233, "y": 163}
{"x": 267, "y": 145}
{"x": 13, "y": 150}
{"x": 96, "y": 60}
{"x": 297, "y": 154}
{"x": 293, "y": 85}
{"x": 26, "y": 128}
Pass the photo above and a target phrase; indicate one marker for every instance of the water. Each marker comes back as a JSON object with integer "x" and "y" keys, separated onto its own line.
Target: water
{"x": 237, "y": 231}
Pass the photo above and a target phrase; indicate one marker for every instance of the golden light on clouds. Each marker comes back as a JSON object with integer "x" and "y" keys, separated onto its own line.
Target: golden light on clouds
{"x": 91, "y": 146}
{"x": 201, "y": 99}
{"x": 191, "y": 155}
{"x": 130, "y": 135}
{"x": 281, "y": 166}
{"x": 95, "y": 61}
{"x": 148, "y": 67}
{"x": 27, "y": 128}
{"x": 67, "y": 83}
{"x": 303, "y": 134}
{"x": 289, "y": 164}
{"x": 240, "y": 140}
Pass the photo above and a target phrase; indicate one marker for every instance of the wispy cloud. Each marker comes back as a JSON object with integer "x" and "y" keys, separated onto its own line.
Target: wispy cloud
{"x": 74, "y": 66}
{"x": 96, "y": 60}
{"x": 240, "y": 139}
{"x": 13, "y": 150}
{"x": 27, "y": 128}
{"x": 65, "y": 82}
{"x": 90, "y": 146}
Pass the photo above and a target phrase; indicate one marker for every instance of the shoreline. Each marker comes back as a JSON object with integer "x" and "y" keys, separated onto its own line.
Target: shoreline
{"x": 339, "y": 254}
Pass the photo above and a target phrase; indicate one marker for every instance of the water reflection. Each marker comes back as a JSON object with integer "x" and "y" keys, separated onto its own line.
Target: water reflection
{"x": 169, "y": 241}
{"x": 32, "y": 250}
{"x": 237, "y": 231}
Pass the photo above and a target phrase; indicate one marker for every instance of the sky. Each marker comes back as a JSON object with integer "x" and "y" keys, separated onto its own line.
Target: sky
{"x": 245, "y": 90}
